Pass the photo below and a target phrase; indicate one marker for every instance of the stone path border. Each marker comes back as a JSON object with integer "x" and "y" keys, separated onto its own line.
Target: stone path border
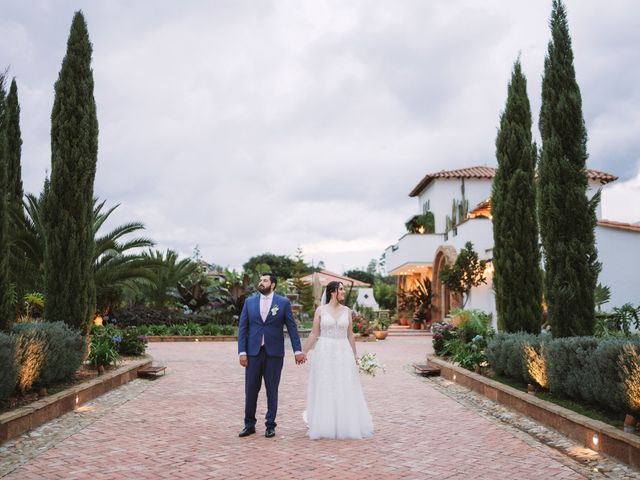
{"x": 611, "y": 441}
{"x": 30, "y": 416}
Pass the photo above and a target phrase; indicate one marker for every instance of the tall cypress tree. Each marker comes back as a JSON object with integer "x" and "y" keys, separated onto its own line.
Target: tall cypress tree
{"x": 6, "y": 288}
{"x": 567, "y": 218}
{"x": 15, "y": 193}
{"x": 69, "y": 285}
{"x": 516, "y": 257}
{"x": 13, "y": 147}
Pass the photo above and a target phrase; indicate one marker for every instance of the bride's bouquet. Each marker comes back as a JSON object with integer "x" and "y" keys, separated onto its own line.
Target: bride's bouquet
{"x": 368, "y": 364}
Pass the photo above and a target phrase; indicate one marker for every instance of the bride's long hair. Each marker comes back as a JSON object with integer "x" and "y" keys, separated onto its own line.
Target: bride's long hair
{"x": 331, "y": 287}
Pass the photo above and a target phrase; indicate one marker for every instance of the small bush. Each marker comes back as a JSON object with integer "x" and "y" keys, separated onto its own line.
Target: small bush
{"x": 103, "y": 350}
{"x": 568, "y": 362}
{"x": 142, "y": 315}
{"x": 49, "y": 352}
{"x": 132, "y": 343}
{"x": 505, "y": 354}
{"x": 9, "y": 370}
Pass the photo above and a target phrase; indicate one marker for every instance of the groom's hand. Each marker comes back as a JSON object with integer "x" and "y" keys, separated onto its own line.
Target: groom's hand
{"x": 300, "y": 358}
{"x": 244, "y": 361}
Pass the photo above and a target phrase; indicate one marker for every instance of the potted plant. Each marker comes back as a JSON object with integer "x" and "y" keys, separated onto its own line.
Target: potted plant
{"x": 379, "y": 326}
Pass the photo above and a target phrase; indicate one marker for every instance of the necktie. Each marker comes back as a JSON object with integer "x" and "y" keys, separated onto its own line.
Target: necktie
{"x": 264, "y": 308}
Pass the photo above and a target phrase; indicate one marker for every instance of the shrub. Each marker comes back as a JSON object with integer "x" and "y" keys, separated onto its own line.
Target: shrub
{"x": 30, "y": 352}
{"x": 568, "y": 361}
{"x": 47, "y": 352}
{"x": 103, "y": 350}
{"x": 443, "y": 333}
{"x": 132, "y": 342}
{"x": 506, "y": 354}
{"x": 142, "y": 315}
{"x": 9, "y": 370}
{"x": 473, "y": 323}
{"x": 211, "y": 329}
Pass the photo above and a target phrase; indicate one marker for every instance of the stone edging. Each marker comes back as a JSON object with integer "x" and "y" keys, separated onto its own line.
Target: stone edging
{"x": 221, "y": 338}
{"x": 611, "y": 441}
{"x": 23, "y": 419}
{"x": 192, "y": 338}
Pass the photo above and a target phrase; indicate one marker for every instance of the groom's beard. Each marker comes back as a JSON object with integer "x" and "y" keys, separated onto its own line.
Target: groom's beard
{"x": 264, "y": 290}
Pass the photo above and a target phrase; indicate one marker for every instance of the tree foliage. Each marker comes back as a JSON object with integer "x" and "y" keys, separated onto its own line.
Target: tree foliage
{"x": 70, "y": 294}
{"x": 467, "y": 272}
{"x": 6, "y": 287}
{"x": 517, "y": 279}
{"x": 280, "y": 265}
{"x": 566, "y": 216}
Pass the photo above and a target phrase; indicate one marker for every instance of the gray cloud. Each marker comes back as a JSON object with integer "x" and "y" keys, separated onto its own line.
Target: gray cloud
{"x": 247, "y": 126}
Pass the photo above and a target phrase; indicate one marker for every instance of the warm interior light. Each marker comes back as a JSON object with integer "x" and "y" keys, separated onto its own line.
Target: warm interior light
{"x": 595, "y": 439}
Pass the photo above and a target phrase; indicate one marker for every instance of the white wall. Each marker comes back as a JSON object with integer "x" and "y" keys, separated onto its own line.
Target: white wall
{"x": 619, "y": 253}
{"x": 412, "y": 248}
{"x": 442, "y": 191}
{"x": 478, "y": 231}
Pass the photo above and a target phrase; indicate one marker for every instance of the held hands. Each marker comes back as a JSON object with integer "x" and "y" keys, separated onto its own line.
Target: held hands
{"x": 301, "y": 358}
{"x": 244, "y": 361}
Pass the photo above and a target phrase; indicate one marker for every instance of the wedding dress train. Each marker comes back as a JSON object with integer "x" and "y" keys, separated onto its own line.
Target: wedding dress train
{"x": 336, "y": 407}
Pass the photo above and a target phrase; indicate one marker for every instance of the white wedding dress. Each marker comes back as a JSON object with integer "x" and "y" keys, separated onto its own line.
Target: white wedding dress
{"x": 336, "y": 407}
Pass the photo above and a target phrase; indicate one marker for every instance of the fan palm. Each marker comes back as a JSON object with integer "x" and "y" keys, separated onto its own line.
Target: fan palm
{"x": 117, "y": 265}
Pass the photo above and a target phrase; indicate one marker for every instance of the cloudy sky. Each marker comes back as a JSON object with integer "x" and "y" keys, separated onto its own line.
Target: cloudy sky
{"x": 262, "y": 126}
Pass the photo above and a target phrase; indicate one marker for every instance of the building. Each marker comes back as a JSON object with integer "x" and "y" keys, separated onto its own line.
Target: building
{"x": 460, "y": 204}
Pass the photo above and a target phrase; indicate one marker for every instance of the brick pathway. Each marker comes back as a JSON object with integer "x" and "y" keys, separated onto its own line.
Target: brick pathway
{"x": 185, "y": 425}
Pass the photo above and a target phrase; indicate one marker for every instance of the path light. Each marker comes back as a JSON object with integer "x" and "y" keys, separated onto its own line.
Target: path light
{"x": 595, "y": 439}
{"x": 629, "y": 423}
{"x": 454, "y": 377}
{"x": 77, "y": 400}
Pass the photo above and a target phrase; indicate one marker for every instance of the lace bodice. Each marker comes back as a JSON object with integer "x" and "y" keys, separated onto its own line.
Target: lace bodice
{"x": 331, "y": 327}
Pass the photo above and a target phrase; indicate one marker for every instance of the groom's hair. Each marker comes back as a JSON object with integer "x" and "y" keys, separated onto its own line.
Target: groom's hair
{"x": 272, "y": 277}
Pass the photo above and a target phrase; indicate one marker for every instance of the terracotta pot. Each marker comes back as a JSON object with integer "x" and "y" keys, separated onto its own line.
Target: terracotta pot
{"x": 380, "y": 334}
{"x": 404, "y": 321}
{"x": 629, "y": 423}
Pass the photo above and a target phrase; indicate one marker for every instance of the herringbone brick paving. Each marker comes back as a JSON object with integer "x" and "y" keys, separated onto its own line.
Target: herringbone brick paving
{"x": 185, "y": 426}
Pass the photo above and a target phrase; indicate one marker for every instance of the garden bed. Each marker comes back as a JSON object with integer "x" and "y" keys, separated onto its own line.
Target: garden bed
{"x": 29, "y": 416}
{"x": 594, "y": 434}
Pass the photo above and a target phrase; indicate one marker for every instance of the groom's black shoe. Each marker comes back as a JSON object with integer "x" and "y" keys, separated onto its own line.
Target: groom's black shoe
{"x": 270, "y": 432}
{"x": 247, "y": 431}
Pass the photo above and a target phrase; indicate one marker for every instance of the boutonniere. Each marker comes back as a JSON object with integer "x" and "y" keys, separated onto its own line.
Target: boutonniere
{"x": 274, "y": 310}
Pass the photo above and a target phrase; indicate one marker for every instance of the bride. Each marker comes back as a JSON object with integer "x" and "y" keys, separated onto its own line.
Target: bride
{"x": 336, "y": 407}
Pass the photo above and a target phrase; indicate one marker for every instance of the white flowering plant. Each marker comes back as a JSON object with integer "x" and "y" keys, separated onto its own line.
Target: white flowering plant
{"x": 368, "y": 364}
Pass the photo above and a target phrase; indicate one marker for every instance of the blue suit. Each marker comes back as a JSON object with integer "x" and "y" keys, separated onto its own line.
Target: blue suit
{"x": 265, "y": 362}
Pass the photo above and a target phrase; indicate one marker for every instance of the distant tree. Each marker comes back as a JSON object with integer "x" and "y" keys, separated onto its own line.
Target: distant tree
{"x": 467, "y": 272}
{"x": 517, "y": 278}
{"x": 361, "y": 275}
{"x": 280, "y": 265}
{"x": 304, "y": 289}
{"x": 566, "y": 216}
{"x": 70, "y": 292}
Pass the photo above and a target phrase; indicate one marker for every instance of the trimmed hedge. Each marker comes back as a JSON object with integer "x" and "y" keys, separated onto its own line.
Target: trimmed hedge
{"x": 47, "y": 353}
{"x": 594, "y": 370}
{"x": 9, "y": 370}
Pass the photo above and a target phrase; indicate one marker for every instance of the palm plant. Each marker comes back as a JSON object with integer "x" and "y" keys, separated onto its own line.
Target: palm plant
{"x": 168, "y": 272}
{"x": 116, "y": 268}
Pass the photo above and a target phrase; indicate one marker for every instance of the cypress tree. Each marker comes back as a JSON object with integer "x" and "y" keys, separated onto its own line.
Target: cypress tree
{"x": 566, "y": 217}
{"x": 18, "y": 264}
{"x": 6, "y": 309}
{"x": 517, "y": 278}
{"x": 69, "y": 241}
{"x": 13, "y": 147}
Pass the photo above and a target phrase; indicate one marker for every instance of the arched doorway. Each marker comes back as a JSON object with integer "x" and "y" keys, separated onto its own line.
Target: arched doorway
{"x": 443, "y": 300}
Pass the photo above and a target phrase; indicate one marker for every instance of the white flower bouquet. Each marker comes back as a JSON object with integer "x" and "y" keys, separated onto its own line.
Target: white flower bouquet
{"x": 368, "y": 364}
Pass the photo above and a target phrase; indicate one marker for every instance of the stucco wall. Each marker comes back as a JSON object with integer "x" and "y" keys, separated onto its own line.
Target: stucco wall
{"x": 619, "y": 253}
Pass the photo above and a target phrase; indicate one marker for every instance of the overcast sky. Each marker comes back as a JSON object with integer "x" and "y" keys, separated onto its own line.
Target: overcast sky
{"x": 259, "y": 126}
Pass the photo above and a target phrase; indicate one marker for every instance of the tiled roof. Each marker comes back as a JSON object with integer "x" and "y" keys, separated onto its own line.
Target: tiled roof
{"x": 325, "y": 276}
{"x": 489, "y": 173}
{"x": 603, "y": 177}
{"x": 631, "y": 227}
{"x": 472, "y": 172}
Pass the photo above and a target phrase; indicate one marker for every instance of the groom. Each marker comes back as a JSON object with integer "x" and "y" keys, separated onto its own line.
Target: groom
{"x": 261, "y": 350}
